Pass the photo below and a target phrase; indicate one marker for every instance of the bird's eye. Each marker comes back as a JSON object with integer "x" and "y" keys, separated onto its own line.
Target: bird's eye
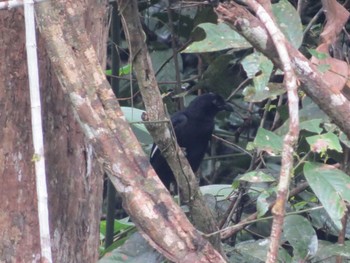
{"x": 218, "y": 102}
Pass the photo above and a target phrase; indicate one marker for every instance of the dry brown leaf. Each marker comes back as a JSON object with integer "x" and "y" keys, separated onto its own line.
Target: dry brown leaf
{"x": 337, "y": 74}
{"x": 336, "y": 16}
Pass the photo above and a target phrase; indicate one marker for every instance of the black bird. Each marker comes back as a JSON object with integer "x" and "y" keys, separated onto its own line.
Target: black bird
{"x": 193, "y": 128}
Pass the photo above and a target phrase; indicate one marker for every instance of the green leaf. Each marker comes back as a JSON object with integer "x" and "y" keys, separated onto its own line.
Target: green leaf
{"x": 331, "y": 186}
{"x": 257, "y": 177}
{"x": 328, "y": 251}
{"x": 260, "y": 92}
{"x": 256, "y": 251}
{"x": 322, "y": 142}
{"x": 122, "y": 71}
{"x": 301, "y": 235}
{"x": 123, "y": 228}
{"x": 268, "y": 141}
{"x": 311, "y": 125}
{"x": 317, "y": 54}
{"x": 135, "y": 115}
{"x": 163, "y": 64}
{"x": 344, "y": 139}
{"x": 262, "y": 203}
{"x": 289, "y": 22}
{"x": 235, "y": 184}
{"x": 309, "y": 112}
{"x": 259, "y": 69}
{"x": 218, "y": 37}
{"x": 254, "y": 63}
{"x": 300, "y": 205}
{"x": 125, "y": 70}
{"x": 320, "y": 219}
{"x": 119, "y": 225}
{"x": 134, "y": 250}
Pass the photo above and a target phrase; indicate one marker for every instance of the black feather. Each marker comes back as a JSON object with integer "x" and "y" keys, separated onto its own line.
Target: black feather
{"x": 193, "y": 128}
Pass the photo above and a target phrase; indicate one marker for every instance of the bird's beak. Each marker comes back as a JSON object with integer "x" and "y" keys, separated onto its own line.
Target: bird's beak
{"x": 228, "y": 107}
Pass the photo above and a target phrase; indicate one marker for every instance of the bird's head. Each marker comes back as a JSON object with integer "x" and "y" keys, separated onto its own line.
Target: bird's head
{"x": 209, "y": 104}
{"x": 220, "y": 103}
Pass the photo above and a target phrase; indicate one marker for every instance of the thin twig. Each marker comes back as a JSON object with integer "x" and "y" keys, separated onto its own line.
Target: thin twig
{"x": 312, "y": 21}
{"x": 232, "y": 144}
{"x": 37, "y": 132}
{"x": 249, "y": 220}
{"x": 277, "y": 115}
{"x": 291, "y": 137}
{"x": 266, "y": 110}
{"x": 176, "y": 61}
{"x": 238, "y": 88}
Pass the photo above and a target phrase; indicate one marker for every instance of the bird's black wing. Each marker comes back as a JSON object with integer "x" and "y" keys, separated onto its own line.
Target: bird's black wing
{"x": 193, "y": 128}
{"x": 179, "y": 122}
{"x": 160, "y": 165}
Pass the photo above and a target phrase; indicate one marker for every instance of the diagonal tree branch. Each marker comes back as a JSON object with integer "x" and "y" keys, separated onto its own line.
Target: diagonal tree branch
{"x": 334, "y": 104}
{"x": 148, "y": 203}
{"x": 189, "y": 190}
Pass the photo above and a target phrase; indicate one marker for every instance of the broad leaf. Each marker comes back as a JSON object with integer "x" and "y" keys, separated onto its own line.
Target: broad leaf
{"x": 123, "y": 229}
{"x": 301, "y": 235}
{"x": 119, "y": 225}
{"x": 321, "y": 143}
{"x": 331, "y": 186}
{"x": 328, "y": 251}
{"x": 218, "y": 37}
{"x": 164, "y": 66}
{"x": 309, "y": 112}
{"x": 317, "y": 54}
{"x": 289, "y": 22}
{"x": 257, "y": 177}
{"x": 133, "y": 116}
{"x": 320, "y": 219}
{"x": 134, "y": 250}
{"x": 267, "y": 141}
{"x": 311, "y": 125}
{"x": 262, "y": 203}
{"x": 256, "y": 251}
{"x": 344, "y": 139}
{"x": 122, "y": 71}
{"x": 259, "y": 69}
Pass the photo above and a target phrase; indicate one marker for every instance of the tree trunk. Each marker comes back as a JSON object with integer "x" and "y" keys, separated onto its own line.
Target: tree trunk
{"x": 74, "y": 180}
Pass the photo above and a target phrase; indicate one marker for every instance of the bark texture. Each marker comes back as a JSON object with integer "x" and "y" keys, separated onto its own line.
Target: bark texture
{"x": 190, "y": 194}
{"x": 74, "y": 179}
{"x": 18, "y": 214}
{"x": 333, "y": 103}
{"x": 146, "y": 200}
